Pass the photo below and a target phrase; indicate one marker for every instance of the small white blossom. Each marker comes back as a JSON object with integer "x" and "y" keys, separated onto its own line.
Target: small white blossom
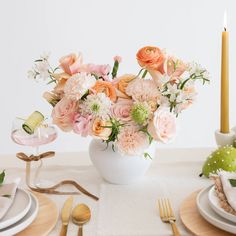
{"x": 45, "y": 56}
{"x": 42, "y": 67}
{"x": 198, "y": 71}
{"x": 31, "y": 74}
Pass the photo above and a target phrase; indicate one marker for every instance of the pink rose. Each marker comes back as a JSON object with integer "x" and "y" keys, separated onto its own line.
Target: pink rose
{"x": 71, "y": 63}
{"x": 121, "y": 109}
{"x": 63, "y": 114}
{"x": 82, "y": 125}
{"x": 163, "y": 126}
{"x": 99, "y": 70}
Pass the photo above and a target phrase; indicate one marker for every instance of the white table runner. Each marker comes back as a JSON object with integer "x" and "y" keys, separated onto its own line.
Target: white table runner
{"x": 131, "y": 210}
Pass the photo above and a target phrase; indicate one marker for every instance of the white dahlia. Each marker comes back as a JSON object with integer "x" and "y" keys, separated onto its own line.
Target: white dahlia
{"x": 97, "y": 105}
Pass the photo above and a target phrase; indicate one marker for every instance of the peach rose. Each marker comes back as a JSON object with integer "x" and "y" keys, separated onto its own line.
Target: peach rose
{"x": 121, "y": 83}
{"x": 163, "y": 126}
{"x": 71, "y": 63}
{"x": 99, "y": 131}
{"x": 151, "y": 58}
{"x": 105, "y": 87}
{"x": 63, "y": 114}
{"x": 174, "y": 67}
{"x": 59, "y": 88}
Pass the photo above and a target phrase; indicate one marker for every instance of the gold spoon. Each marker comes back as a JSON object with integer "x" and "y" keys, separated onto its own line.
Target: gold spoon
{"x": 81, "y": 214}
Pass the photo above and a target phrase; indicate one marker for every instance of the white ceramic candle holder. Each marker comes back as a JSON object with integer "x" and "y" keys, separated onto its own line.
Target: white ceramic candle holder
{"x": 223, "y": 139}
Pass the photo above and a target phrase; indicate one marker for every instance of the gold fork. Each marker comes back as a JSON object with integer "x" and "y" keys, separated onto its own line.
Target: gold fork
{"x": 167, "y": 215}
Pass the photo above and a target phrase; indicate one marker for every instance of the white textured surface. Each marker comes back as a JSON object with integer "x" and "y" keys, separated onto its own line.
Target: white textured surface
{"x": 101, "y": 29}
{"x": 129, "y": 210}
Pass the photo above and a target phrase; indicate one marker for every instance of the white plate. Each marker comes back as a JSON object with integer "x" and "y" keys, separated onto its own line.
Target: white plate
{"x": 215, "y": 204}
{"x": 19, "y": 208}
{"x": 210, "y": 215}
{"x": 25, "y": 221}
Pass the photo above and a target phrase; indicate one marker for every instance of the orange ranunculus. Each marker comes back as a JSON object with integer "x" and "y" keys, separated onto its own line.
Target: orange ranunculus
{"x": 151, "y": 58}
{"x": 105, "y": 87}
{"x": 122, "y": 83}
{"x": 98, "y": 129}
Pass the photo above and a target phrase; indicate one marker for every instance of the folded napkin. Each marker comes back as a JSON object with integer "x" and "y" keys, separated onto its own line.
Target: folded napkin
{"x": 229, "y": 190}
{"x": 7, "y": 195}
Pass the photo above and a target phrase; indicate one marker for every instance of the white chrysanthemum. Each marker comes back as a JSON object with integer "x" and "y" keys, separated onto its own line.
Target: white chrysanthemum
{"x": 143, "y": 90}
{"x": 78, "y": 84}
{"x": 98, "y": 105}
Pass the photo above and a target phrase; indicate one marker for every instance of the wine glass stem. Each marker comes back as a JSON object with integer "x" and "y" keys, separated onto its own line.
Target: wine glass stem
{"x": 27, "y": 176}
{"x": 36, "y": 176}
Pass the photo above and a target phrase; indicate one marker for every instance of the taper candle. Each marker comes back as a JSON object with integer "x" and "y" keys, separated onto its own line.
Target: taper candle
{"x": 224, "y": 116}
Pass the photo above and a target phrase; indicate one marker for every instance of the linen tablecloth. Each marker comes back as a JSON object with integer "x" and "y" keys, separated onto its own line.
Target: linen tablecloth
{"x": 125, "y": 210}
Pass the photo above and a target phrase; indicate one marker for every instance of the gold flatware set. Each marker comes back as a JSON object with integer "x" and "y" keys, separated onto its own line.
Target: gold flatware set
{"x": 81, "y": 214}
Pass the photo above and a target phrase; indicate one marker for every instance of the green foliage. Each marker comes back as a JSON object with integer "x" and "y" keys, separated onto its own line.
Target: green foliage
{"x": 195, "y": 77}
{"x": 232, "y": 182}
{"x": 115, "y": 130}
{"x": 147, "y": 155}
{"x": 6, "y": 195}
{"x": 2, "y": 176}
{"x": 144, "y": 129}
{"x": 115, "y": 69}
{"x": 144, "y": 74}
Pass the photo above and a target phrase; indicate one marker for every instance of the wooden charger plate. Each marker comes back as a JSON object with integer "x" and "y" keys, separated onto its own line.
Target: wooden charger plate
{"x": 194, "y": 222}
{"x": 45, "y": 220}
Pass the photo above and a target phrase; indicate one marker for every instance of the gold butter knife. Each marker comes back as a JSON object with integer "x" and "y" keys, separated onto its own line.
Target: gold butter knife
{"x": 65, "y": 215}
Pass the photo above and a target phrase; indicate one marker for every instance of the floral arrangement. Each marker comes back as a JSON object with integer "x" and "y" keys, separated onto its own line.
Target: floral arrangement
{"x": 130, "y": 110}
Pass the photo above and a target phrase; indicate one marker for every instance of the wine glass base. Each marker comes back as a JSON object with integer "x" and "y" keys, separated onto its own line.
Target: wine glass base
{"x": 44, "y": 184}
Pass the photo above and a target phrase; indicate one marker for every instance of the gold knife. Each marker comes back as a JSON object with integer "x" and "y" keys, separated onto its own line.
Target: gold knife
{"x": 65, "y": 215}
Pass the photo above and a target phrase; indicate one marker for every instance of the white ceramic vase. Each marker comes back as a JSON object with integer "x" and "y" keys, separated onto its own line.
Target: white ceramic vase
{"x": 114, "y": 167}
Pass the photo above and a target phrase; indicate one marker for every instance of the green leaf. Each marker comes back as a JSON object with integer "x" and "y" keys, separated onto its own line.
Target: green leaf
{"x": 232, "y": 182}
{"x": 96, "y": 77}
{"x": 147, "y": 155}
{"x": 139, "y": 73}
{"x": 150, "y": 138}
{"x": 6, "y": 195}
{"x": 115, "y": 69}
{"x": 2, "y": 176}
{"x": 144, "y": 74}
{"x": 183, "y": 84}
{"x": 52, "y": 81}
{"x": 85, "y": 95}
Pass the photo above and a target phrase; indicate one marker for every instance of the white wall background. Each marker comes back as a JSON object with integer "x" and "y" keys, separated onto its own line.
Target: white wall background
{"x": 101, "y": 29}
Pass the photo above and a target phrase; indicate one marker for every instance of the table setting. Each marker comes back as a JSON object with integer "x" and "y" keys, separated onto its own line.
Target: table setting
{"x": 124, "y": 184}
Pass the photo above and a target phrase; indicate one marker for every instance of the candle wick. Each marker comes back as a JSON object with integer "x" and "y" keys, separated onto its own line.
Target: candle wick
{"x": 225, "y": 28}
